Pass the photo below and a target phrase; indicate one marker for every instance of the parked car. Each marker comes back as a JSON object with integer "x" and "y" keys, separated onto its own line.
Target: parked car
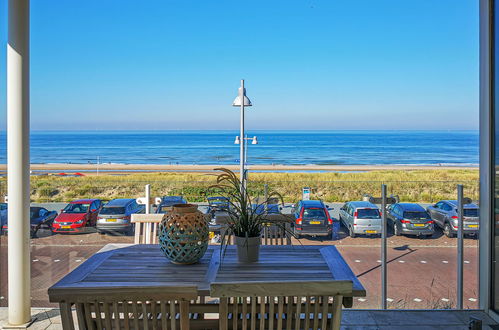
{"x": 168, "y": 201}
{"x": 218, "y": 204}
{"x": 312, "y": 218}
{"x": 3, "y": 216}
{"x": 444, "y": 213}
{"x": 115, "y": 216}
{"x": 77, "y": 216}
{"x": 409, "y": 219}
{"x": 39, "y": 217}
{"x": 3, "y": 219}
{"x": 361, "y": 217}
{"x": 272, "y": 207}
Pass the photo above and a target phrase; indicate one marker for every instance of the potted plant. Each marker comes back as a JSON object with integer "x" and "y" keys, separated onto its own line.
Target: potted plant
{"x": 246, "y": 219}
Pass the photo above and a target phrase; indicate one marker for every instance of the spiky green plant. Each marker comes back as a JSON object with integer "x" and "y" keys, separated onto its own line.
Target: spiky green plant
{"x": 245, "y": 216}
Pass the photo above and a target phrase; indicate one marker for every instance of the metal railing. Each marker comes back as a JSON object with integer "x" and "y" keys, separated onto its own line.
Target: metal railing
{"x": 332, "y": 192}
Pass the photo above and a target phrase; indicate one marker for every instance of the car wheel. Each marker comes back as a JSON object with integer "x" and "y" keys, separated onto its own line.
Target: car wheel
{"x": 351, "y": 232}
{"x": 396, "y": 230}
{"x": 448, "y": 231}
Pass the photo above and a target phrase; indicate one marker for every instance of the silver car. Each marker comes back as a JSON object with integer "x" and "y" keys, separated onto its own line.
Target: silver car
{"x": 361, "y": 217}
{"x": 444, "y": 213}
{"x": 115, "y": 216}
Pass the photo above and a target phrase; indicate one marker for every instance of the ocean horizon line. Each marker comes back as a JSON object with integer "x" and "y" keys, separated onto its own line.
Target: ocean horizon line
{"x": 250, "y": 130}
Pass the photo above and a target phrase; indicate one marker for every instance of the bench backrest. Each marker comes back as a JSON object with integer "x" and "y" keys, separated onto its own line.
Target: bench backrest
{"x": 281, "y": 305}
{"x": 276, "y": 232}
{"x": 148, "y": 308}
{"x": 146, "y": 227}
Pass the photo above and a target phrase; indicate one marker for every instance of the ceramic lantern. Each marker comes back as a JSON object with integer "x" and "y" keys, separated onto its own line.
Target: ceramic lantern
{"x": 183, "y": 234}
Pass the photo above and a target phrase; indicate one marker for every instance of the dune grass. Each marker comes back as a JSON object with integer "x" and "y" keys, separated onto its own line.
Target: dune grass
{"x": 411, "y": 186}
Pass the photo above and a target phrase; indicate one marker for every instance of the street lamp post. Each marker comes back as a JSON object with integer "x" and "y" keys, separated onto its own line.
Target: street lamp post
{"x": 241, "y": 101}
{"x": 245, "y": 158}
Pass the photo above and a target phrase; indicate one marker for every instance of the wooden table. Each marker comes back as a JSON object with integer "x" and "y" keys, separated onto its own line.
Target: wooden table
{"x": 138, "y": 266}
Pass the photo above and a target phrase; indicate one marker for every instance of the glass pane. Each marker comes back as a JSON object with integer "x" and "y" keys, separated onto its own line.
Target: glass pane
{"x": 495, "y": 253}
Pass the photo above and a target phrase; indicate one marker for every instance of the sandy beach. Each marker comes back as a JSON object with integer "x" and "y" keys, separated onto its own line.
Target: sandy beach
{"x": 89, "y": 168}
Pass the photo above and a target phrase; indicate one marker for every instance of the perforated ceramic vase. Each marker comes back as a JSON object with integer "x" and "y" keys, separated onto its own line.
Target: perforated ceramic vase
{"x": 183, "y": 234}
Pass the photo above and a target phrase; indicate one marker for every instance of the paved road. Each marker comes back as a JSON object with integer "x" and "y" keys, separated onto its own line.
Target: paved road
{"x": 422, "y": 272}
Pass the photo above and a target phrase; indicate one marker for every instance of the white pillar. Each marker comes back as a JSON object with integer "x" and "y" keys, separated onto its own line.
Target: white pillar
{"x": 18, "y": 162}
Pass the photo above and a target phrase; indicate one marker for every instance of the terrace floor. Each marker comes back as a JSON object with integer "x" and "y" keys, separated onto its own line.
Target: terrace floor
{"x": 49, "y": 319}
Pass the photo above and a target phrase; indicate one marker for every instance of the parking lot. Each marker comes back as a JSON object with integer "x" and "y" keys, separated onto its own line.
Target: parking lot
{"x": 421, "y": 272}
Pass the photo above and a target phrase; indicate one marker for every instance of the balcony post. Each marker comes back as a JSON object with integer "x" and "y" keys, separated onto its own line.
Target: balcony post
{"x": 460, "y": 245}
{"x": 18, "y": 162}
{"x": 487, "y": 166}
{"x": 384, "y": 230}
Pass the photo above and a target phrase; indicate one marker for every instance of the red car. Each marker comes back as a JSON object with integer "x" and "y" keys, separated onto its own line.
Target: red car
{"x": 77, "y": 216}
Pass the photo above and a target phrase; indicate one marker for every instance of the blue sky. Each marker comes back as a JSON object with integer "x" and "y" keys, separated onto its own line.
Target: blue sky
{"x": 314, "y": 64}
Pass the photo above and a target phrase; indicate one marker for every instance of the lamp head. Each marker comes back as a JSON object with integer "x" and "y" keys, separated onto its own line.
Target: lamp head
{"x": 255, "y": 141}
{"x": 237, "y": 141}
{"x": 237, "y": 100}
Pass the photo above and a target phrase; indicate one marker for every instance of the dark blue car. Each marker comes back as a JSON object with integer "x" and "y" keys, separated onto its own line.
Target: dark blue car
{"x": 312, "y": 218}
{"x": 272, "y": 207}
{"x": 218, "y": 203}
{"x": 39, "y": 217}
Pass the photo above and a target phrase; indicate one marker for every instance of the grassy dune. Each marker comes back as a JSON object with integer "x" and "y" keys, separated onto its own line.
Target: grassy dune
{"x": 416, "y": 185}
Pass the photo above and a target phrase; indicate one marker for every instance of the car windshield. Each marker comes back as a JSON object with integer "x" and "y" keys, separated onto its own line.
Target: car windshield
{"x": 112, "y": 210}
{"x": 416, "y": 215}
{"x": 470, "y": 212}
{"x": 33, "y": 213}
{"x": 219, "y": 203}
{"x": 169, "y": 201}
{"x": 314, "y": 213}
{"x": 76, "y": 208}
{"x": 367, "y": 214}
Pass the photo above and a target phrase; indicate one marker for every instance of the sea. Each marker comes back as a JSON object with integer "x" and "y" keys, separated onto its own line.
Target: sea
{"x": 359, "y": 147}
